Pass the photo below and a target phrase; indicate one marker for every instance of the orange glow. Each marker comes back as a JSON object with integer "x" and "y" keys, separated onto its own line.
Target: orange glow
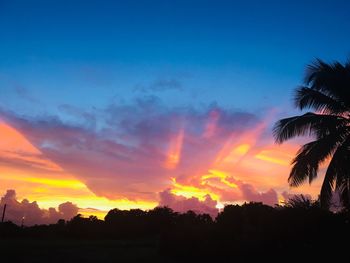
{"x": 238, "y": 145}
{"x": 242, "y": 158}
{"x": 269, "y": 157}
{"x": 191, "y": 191}
{"x": 14, "y": 140}
{"x": 15, "y": 146}
{"x": 242, "y": 149}
{"x": 53, "y": 187}
{"x": 277, "y": 154}
{"x": 60, "y": 183}
{"x": 237, "y": 152}
{"x": 104, "y": 205}
{"x": 220, "y": 206}
{"x": 86, "y": 212}
{"x": 218, "y": 174}
{"x": 225, "y": 150}
{"x": 239, "y": 160}
{"x": 174, "y": 152}
{"x": 49, "y": 192}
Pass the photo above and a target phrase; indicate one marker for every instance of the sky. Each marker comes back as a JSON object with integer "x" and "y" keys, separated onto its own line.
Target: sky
{"x": 134, "y": 104}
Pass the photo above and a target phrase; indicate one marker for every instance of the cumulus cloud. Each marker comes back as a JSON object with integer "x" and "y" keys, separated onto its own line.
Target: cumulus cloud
{"x": 269, "y": 197}
{"x": 30, "y": 213}
{"x": 183, "y": 204}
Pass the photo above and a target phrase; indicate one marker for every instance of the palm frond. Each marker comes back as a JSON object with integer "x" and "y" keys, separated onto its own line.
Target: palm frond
{"x": 309, "y": 157}
{"x": 327, "y": 91}
{"x": 337, "y": 173}
{"x": 328, "y": 185}
{"x": 309, "y": 98}
{"x": 308, "y": 124}
{"x": 345, "y": 193}
{"x": 300, "y": 202}
{"x": 332, "y": 79}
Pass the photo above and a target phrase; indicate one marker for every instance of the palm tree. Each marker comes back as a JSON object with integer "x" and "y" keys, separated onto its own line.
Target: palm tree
{"x": 326, "y": 90}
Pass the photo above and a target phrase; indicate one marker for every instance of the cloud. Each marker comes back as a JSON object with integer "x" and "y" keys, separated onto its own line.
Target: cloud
{"x": 31, "y": 213}
{"x": 125, "y": 154}
{"x": 269, "y": 197}
{"x": 136, "y": 150}
{"x": 16, "y": 151}
{"x": 77, "y": 114}
{"x": 183, "y": 204}
{"x": 159, "y": 85}
{"x": 68, "y": 210}
{"x": 28, "y": 162}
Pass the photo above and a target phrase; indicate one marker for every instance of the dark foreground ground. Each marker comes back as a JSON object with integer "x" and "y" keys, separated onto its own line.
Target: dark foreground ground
{"x": 69, "y": 251}
{"x": 64, "y": 251}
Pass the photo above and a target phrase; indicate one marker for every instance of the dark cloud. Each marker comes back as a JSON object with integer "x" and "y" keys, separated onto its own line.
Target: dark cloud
{"x": 30, "y": 213}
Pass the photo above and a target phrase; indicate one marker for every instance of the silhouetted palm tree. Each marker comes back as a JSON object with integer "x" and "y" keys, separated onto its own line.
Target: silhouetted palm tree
{"x": 326, "y": 90}
{"x": 301, "y": 202}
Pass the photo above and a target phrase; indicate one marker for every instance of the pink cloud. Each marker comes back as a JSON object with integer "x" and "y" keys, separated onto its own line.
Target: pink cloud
{"x": 183, "y": 204}
{"x": 269, "y": 197}
{"x": 126, "y": 156}
{"x": 121, "y": 151}
{"x": 30, "y": 213}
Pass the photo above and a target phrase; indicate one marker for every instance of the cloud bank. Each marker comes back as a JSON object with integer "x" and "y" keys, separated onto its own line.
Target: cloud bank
{"x": 29, "y": 213}
{"x": 183, "y": 204}
{"x": 141, "y": 150}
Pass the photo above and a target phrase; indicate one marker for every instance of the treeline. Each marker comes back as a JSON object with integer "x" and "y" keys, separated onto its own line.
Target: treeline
{"x": 248, "y": 231}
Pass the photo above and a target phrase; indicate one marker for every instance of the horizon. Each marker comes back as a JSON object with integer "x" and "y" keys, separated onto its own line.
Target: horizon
{"x": 147, "y": 103}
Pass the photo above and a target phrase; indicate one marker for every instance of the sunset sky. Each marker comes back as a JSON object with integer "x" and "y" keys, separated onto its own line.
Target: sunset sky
{"x": 134, "y": 104}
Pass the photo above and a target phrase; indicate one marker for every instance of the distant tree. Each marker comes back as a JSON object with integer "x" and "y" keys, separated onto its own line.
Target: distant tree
{"x": 161, "y": 219}
{"x": 326, "y": 90}
{"x": 61, "y": 222}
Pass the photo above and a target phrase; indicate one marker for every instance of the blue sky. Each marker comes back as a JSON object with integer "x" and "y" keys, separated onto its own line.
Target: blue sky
{"x": 239, "y": 54}
{"x": 156, "y": 102}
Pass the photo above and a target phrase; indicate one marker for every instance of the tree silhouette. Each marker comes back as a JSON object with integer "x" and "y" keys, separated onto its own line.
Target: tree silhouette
{"x": 249, "y": 232}
{"x": 326, "y": 90}
{"x": 301, "y": 202}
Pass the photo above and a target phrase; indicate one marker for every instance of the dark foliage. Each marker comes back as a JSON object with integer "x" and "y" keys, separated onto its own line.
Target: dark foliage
{"x": 246, "y": 232}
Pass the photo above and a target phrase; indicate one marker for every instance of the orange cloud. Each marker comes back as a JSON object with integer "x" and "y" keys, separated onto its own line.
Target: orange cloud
{"x": 14, "y": 146}
{"x": 52, "y": 187}
{"x": 227, "y": 156}
{"x": 191, "y": 191}
{"x": 238, "y": 145}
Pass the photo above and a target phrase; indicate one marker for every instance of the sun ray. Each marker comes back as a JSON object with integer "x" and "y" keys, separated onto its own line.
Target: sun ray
{"x": 174, "y": 152}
